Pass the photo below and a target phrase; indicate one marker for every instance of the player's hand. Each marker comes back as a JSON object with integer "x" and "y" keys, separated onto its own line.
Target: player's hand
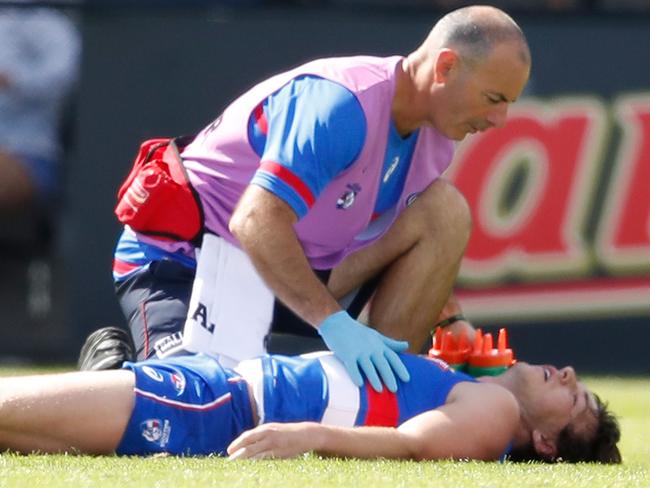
{"x": 359, "y": 346}
{"x": 275, "y": 441}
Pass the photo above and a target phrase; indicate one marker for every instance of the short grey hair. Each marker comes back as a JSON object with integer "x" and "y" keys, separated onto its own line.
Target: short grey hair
{"x": 475, "y": 31}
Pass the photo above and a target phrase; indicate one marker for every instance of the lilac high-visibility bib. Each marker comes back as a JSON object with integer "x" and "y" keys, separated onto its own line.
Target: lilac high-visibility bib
{"x": 221, "y": 162}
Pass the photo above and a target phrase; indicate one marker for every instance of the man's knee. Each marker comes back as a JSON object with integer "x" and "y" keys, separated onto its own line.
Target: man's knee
{"x": 155, "y": 304}
{"x": 446, "y": 210}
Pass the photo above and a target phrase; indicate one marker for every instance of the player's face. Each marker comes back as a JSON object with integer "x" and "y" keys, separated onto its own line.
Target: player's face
{"x": 553, "y": 399}
{"x": 477, "y": 98}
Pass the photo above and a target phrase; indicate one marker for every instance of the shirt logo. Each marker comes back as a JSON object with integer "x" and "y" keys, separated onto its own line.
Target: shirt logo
{"x": 156, "y": 431}
{"x": 346, "y": 200}
{"x": 440, "y": 363}
{"x": 152, "y": 373}
{"x": 391, "y": 169}
{"x": 411, "y": 198}
{"x": 152, "y": 430}
{"x": 178, "y": 379}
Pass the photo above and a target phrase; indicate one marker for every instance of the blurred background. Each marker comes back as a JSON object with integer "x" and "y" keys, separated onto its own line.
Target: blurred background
{"x": 560, "y": 253}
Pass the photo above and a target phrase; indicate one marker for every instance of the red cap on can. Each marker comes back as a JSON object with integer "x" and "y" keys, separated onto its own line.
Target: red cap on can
{"x": 484, "y": 355}
{"x": 450, "y": 349}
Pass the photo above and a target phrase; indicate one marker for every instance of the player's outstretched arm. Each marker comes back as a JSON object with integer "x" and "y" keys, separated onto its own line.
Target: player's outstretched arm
{"x": 478, "y": 424}
{"x": 81, "y": 412}
{"x": 289, "y": 440}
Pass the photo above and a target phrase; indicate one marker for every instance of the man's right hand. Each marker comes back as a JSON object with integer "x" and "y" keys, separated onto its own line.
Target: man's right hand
{"x": 359, "y": 346}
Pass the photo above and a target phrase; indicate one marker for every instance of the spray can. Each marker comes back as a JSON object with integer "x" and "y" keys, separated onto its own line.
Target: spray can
{"x": 454, "y": 351}
{"x": 486, "y": 360}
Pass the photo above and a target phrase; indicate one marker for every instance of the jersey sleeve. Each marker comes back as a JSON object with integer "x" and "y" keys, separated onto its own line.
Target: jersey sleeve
{"x": 306, "y": 133}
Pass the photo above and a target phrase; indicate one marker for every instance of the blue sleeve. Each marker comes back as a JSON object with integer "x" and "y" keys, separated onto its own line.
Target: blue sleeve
{"x": 306, "y": 133}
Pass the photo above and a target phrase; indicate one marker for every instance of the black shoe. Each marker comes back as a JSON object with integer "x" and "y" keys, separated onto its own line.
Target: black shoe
{"x": 106, "y": 348}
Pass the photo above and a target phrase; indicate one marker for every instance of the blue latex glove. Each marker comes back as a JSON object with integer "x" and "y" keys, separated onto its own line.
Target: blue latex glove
{"x": 359, "y": 346}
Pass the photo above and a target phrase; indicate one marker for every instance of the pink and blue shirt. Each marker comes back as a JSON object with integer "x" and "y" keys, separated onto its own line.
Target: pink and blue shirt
{"x": 320, "y": 137}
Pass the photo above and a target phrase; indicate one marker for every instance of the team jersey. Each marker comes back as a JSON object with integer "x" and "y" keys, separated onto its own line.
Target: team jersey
{"x": 317, "y": 387}
{"x": 305, "y": 134}
{"x": 192, "y": 405}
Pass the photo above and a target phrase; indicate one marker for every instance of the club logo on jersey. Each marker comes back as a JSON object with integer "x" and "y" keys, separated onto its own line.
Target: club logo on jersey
{"x": 391, "y": 169}
{"x": 440, "y": 363}
{"x": 411, "y": 198}
{"x": 156, "y": 431}
{"x": 346, "y": 200}
{"x": 151, "y": 430}
{"x": 152, "y": 373}
{"x": 178, "y": 379}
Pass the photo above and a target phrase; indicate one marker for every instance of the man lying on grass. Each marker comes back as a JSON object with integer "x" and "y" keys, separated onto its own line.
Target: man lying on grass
{"x": 278, "y": 406}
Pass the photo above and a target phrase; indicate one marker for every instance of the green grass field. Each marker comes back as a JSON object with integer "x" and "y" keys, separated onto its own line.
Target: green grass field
{"x": 630, "y": 398}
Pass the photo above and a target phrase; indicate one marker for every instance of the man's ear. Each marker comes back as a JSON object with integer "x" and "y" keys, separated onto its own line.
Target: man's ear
{"x": 447, "y": 60}
{"x": 544, "y": 445}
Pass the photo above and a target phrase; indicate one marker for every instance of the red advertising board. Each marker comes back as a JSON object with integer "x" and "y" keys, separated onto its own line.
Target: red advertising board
{"x": 561, "y": 205}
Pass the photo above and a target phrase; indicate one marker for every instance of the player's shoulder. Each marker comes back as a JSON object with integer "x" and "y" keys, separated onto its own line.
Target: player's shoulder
{"x": 498, "y": 395}
{"x": 486, "y": 399}
{"x": 493, "y": 417}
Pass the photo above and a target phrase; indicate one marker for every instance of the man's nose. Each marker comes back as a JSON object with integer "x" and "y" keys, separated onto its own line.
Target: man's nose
{"x": 497, "y": 117}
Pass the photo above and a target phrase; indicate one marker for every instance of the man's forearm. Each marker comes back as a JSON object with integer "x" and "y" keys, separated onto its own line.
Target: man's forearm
{"x": 263, "y": 224}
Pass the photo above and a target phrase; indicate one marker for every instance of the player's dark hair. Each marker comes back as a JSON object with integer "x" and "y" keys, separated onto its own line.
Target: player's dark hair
{"x": 601, "y": 447}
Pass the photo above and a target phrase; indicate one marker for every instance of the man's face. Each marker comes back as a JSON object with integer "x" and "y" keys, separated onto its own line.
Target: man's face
{"x": 477, "y": 97}
{"x": 553, "y": 399}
